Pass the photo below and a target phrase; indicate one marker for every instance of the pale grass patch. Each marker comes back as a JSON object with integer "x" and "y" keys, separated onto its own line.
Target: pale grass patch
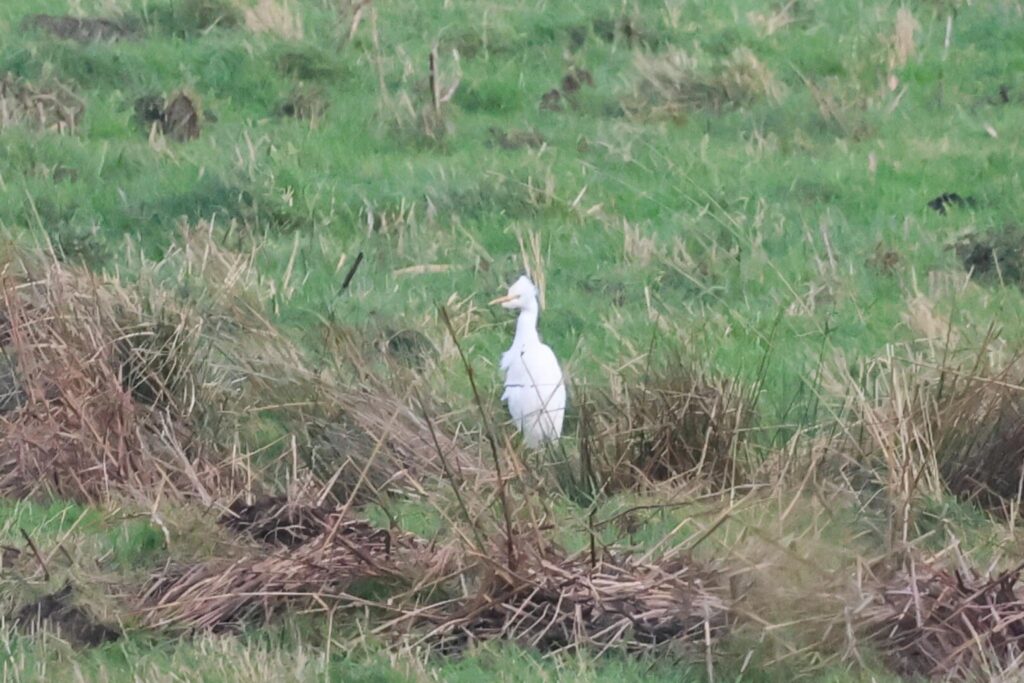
{"x": 746, "y": 76}
{"x": 933, "y": 327}
{"x": 901, "y": 45}
{"x": 768, "y": 23}
{"x": 274, "y": 16}
{"x": 638, "y": 248}
{"x": 100, "y": 7}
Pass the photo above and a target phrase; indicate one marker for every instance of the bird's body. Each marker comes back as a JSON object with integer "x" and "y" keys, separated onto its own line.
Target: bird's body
{"x": 534, "y": 386}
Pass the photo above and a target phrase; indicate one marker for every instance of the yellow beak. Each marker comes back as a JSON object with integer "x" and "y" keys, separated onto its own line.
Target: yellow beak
{"x": 502, "y": 299}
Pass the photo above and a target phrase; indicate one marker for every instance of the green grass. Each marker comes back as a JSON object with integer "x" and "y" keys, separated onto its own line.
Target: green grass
{"x": 742, "y": 237}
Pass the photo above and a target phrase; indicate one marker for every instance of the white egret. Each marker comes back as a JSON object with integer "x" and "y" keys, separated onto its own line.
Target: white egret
{"x": 534, "y": 387}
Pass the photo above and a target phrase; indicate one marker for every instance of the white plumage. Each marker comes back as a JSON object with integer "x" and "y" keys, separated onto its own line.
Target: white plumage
{"x": 534, "y": 386}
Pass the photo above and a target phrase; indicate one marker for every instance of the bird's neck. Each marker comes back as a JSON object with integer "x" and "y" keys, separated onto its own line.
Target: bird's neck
{"x": 526, "y": 328}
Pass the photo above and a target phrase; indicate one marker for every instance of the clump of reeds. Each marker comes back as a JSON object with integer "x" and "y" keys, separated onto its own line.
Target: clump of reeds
{"x": 108, "y": 388}
{"x": 673, "y": 422}
{"x": 923, "y": 428}
{"x": 929, "y": 621}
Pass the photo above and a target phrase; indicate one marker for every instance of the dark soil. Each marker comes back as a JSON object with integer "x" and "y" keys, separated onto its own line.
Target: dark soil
{"x": 306, "y": 103}
{"x": 551, "y": 100}
{"x": 149, "y": 109}
{"x": 55, "y": 612}
{"x": 181, "y": 118}
{"x": 410, "y": 347}
{"x": 996, "y": 255}
{"x": 276, "y": 521}
{"x": 947, "y": 199}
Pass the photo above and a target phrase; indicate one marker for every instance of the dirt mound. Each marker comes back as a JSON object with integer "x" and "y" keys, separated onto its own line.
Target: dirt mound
{"x": 57, "y": 613}
{"x": 179, "y": 117}
{"x": 276, "y": 520}
{"x": 948, "y": 199}
{"x": 995, "y": 255}
{"x": 81, "y": 29}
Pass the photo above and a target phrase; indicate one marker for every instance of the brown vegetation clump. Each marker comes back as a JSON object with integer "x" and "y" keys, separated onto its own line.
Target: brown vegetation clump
{"x": 106, "y": 393}
{"x": 225, "y": 593}
{"x": 52, "y": 108}
{"x": 981, "y": 451}
{"x": 930, "y": 430}
{"x": 675, "y": 423}
{"x": 181, "y": 119}
{"x": 365, "y": 440}
{"x": 277, "y": 520}
{"x": 555, "y": 602}
{"x": 931, "y": 622}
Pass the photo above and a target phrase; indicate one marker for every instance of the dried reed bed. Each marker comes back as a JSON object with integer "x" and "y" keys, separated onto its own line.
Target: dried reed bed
{"x": 932, "y": 622}
{"x": 107, "y": 392}
{"x": 923, "y": 427}
{"x": 357, "y": 429}
{"x": 130, "y": 389}
{"x": 223, "y": 594}
{"x": 365, "y": 440}
{"x": 554, "y": 602}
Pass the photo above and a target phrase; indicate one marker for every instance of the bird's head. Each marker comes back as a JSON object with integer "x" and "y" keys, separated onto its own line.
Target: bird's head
{"x": 522, "y": 294}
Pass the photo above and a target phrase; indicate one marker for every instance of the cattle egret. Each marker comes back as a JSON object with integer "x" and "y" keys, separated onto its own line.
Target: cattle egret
{"x": 534, "y": 387}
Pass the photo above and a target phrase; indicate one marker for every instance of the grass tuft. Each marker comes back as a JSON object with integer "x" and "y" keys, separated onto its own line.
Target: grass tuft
{"x": 674, "y": 83}
{"x": 672, "y": 422}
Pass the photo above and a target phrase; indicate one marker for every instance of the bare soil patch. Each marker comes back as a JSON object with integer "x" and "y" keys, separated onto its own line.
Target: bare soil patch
{"x": 994, "y": 255}
{"x": 58, "y": 614}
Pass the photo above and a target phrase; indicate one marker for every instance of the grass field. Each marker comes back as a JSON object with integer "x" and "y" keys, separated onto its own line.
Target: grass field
{"x": 247, "y": 250}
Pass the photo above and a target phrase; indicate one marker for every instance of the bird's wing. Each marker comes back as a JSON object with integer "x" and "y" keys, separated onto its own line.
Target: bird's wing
{"x": 535, "y": 394}
{"x": 507, "y": 358}
{"x": 533, "y": 366}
